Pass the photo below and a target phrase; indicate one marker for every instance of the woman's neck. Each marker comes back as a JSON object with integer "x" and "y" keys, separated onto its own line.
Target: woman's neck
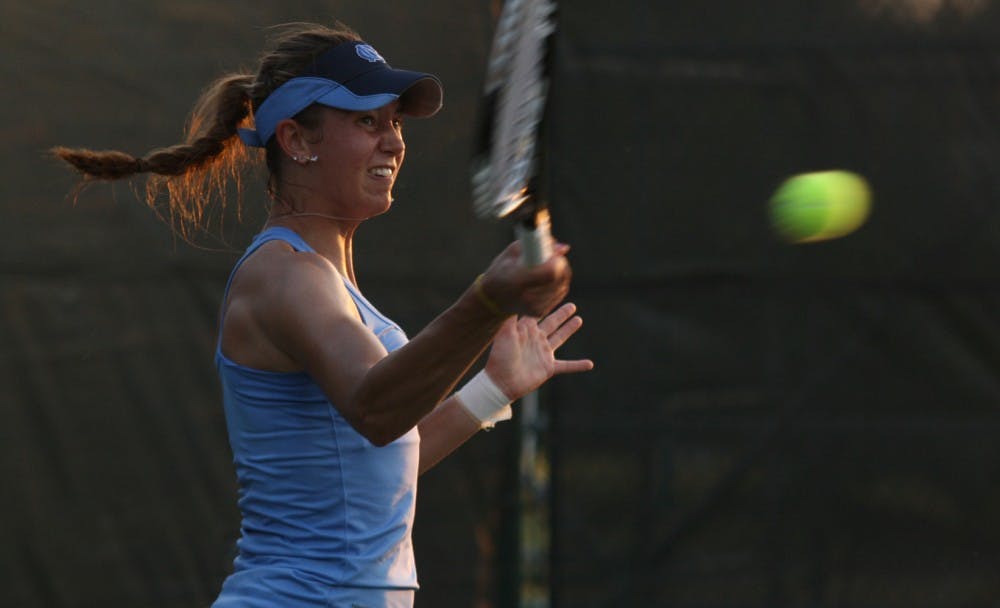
{"x": 332, "y": 237}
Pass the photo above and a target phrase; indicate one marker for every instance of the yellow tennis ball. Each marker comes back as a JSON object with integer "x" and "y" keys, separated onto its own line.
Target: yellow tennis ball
{"x": 819, "y": 206}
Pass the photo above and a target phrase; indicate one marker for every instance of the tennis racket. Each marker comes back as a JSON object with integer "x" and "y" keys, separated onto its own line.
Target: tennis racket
{"x": 505, "y": 159}
{"x": 505, "y": 167}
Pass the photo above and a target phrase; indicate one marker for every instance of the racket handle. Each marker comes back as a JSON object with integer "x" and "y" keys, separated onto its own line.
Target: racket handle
{"x": 535, "y": 234}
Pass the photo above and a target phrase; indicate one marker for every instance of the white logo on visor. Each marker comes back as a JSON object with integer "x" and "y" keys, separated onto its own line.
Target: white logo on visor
{"x": 366, "y": 52}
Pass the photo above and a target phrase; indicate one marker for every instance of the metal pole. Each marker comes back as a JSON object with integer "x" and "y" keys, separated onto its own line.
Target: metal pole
{"x": 534, "y": 541}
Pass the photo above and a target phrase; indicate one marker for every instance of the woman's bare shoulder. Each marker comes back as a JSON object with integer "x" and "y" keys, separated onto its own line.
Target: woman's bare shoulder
{"x": 276, "y": 272}
{"x": 278, "y": 297}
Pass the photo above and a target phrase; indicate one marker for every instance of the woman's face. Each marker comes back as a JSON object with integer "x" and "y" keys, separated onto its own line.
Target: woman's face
{"x": 360, "y": 154}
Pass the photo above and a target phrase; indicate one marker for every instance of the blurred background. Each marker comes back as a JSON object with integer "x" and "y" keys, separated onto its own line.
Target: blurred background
{"x": 769, "y": 425}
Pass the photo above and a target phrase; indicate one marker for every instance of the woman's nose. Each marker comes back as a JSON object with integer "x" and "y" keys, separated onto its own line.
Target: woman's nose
{"x": 392, "y": 140}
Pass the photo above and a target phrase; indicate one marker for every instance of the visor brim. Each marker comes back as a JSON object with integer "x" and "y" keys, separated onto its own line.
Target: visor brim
{"x": 421, "y": 94}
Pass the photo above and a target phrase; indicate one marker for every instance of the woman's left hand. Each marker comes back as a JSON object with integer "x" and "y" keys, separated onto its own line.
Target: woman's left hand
{"x": 523, "y": 354}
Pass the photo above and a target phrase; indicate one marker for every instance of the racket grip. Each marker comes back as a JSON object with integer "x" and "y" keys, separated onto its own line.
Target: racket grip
{"x": 535, "y": 234}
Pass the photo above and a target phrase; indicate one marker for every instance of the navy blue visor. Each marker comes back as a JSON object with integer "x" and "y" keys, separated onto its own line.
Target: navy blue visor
{"x": 350, "y": 76}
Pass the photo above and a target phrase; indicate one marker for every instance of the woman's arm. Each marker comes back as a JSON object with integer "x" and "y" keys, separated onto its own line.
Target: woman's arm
{"x": 307, "y": 314}
{"x": 443, "y": 430}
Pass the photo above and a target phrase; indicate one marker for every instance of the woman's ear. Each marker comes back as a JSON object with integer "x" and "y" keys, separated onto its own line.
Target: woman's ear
{"x": 291, "y": 136}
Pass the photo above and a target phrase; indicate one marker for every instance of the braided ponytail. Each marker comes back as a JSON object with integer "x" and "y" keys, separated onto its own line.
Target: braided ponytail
{"x": 193, "y": 172}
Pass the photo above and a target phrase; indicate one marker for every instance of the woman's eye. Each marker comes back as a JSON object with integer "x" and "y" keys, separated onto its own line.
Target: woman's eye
{"x": 368, "y": 120}
{"x": 397, "y": 123}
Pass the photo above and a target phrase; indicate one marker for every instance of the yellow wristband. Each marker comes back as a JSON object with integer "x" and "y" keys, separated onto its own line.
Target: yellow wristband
{"x": 485, "y": 299}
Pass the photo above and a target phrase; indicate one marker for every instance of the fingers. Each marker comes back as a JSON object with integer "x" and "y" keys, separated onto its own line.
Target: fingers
{"x": 536, "y": 290}
{"x": 561, "y": 335}
{"x": 561, "y": 325}
{"x": 572, "y": 366}
{"x": 562, "y": 314}
{"x": 554, "y": 270}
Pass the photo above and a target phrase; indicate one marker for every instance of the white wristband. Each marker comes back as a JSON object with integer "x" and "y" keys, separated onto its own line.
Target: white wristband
{"x": 482, "y": 398}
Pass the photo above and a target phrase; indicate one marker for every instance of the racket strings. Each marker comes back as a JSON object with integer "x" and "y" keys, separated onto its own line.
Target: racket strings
{"x": 516, "y": 88}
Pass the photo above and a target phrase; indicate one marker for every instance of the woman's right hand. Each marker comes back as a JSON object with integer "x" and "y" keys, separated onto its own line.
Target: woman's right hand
{"x": 527, "y": 290}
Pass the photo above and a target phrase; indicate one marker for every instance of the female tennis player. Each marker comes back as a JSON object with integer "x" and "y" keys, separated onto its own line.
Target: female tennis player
{"x": 332, "y": 412}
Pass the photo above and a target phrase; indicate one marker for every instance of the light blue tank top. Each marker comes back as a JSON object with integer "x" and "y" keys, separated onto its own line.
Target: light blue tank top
{"x": 318, "y": 500}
